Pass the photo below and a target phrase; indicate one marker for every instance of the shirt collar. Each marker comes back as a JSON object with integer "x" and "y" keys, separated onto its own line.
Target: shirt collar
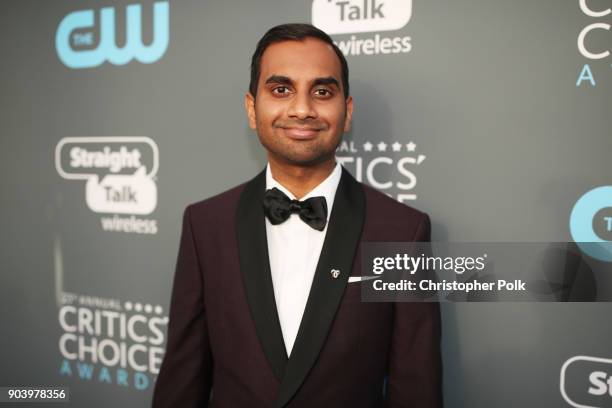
{"x": 327, "y": 188}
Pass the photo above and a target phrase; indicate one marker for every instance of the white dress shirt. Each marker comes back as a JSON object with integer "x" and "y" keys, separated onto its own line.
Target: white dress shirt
{"x": 294, "y": 248}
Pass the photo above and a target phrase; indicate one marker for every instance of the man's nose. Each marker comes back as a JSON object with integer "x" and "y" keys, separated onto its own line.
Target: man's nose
{"x": 301, "y": 107}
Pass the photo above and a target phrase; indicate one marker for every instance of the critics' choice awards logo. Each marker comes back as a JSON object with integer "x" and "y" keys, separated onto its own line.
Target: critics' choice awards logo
{"x": 87, "y": 38}
{"x": 586, "y": 382}
{"x": 591, "y": 223}
{"x": 109, "y": 341}
{"x": 365, "y": 16}
{"x": 119, "y": 174}
{"x": 388, "y": 167}
{"x": 596, "y": 32}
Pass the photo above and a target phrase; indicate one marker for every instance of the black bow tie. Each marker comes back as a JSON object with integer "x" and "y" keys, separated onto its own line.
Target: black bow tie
{"x": 278, "y": 207}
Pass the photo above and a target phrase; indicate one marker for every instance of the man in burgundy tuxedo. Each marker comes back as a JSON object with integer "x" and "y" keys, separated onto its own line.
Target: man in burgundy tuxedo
{"x": 266, "y": 305}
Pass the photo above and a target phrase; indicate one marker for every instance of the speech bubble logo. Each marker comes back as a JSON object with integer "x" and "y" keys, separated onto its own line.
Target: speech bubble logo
{"x": 584, "y": 365}
{"x": 79, "y": 158}
{"x": 360, "y": 16}
{"x": 135, "y": 194}
{"x": 119, "y": 171}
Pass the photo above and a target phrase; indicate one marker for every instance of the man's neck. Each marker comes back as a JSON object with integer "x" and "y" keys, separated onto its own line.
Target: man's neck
{"x": 300, "y": 180}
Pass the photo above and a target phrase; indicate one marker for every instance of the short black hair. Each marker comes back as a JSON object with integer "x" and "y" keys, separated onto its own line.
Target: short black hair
{"x": 296, "y": 32}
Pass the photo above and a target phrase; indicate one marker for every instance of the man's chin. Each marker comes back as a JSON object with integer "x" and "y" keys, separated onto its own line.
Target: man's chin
{"x": 305, "y": 160}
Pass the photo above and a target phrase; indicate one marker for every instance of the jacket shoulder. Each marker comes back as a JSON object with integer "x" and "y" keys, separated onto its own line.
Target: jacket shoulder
{"x": 389, "y": 220}
{"x": 217, "y": 207}
{"x": 386, "y": 206}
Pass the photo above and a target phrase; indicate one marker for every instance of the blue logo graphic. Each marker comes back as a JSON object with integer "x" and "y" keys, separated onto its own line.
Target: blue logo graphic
{"x": 585, "y": 215}
{"x": 77, "y": 30}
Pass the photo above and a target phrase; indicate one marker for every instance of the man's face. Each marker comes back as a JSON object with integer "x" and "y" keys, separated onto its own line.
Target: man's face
{"x": 300, "y": 112}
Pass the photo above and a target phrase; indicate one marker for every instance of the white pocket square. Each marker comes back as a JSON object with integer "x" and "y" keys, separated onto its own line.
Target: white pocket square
{"x": 360, "y": 278}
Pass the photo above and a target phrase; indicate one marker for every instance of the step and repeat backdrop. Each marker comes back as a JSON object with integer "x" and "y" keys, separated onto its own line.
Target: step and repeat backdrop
{"x": 492, "y": 116}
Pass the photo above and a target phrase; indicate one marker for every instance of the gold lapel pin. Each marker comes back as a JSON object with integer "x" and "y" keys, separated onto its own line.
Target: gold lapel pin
{"x": 335, "y": 273}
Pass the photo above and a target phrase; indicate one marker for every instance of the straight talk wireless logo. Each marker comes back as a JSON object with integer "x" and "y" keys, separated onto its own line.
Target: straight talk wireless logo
{"x": 586, "y": 382}
{"x": 365, "y": 16}
{"x": 120, "y": 178}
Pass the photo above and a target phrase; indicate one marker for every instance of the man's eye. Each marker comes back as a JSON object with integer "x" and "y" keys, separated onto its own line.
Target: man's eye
{"x": 281, "y": 90}
{"x": 322, "y": 92}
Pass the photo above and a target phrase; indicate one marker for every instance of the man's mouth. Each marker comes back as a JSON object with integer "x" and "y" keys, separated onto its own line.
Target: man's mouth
{"x": 301, "y": 133}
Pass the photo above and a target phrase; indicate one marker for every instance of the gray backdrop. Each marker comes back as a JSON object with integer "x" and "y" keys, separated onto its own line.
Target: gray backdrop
{"x": 495, "y": 137}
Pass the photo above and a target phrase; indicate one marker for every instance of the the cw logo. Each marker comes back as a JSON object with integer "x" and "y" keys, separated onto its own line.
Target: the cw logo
{"x": 75, "y": 25}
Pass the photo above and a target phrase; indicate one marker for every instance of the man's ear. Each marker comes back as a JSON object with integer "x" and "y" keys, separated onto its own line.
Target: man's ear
{"x": 349, "y": 114}
{"x": 249, "y": 106}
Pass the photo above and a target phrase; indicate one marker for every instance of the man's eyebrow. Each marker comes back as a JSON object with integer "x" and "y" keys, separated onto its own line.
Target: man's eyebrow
{"x": 326, "y": 81}
{"x": 279, "y": 79}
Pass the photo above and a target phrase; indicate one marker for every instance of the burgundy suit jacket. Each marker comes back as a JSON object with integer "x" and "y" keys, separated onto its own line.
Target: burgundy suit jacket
{"x": 225, "y": 346}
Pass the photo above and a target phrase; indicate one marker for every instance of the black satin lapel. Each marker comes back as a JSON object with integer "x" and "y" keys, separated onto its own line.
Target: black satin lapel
{"x": 341, "y": 240}
{"x": 255, "y": 268}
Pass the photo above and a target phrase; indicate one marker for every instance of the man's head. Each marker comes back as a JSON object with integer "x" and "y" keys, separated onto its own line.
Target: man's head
{"x": 298, "y": 99}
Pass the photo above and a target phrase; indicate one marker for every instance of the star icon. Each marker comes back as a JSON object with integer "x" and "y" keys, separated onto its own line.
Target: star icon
{"x": 396, "y": 146}
{"x": 411, "y": 146}
{"x": 367, "y": 146}
{"x": 382, "y": 146}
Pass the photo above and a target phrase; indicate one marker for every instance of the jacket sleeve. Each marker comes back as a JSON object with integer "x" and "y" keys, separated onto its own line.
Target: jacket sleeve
{"x": 185, "y": 377}
{"x": 414, "y": 377}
